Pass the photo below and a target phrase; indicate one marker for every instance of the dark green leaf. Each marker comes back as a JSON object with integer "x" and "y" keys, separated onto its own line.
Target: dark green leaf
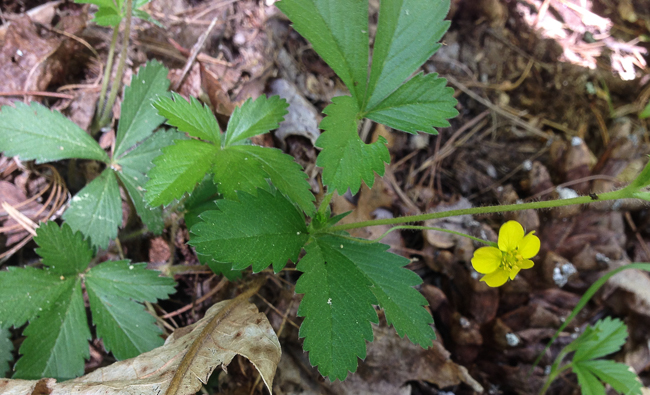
{"x": 254, "y": 231}
{"x": 247, "y": 167}
{"x": 345, "y": 159}
{"x": 65, "y": 253}
{"x": 338, "y": 31}
{"x": 6, "y": 355}
{"x": 139, "y": 118}
{"x": 96, "y": 210}
{"x": 255, "y": 117}
{"x": 56, "y": 342}
{"x": 178, "y": 170}
{"x": 408, "y": 32}
{"x": 192, "y": 118}
{"x": 25, "y": 292}
{"x": 126, "y": 328}
{"x": 343, "y": 279}
{"x": 337, "y": 307}
{"x": 130, "y": 280}
{"x": 35, "y": 132}
{"x": 201, "y": 199}
{"x": 134, "y": 166}
{"x": 392, "y": 284}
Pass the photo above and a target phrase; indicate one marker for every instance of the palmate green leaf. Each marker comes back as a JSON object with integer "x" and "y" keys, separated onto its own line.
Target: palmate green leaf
{"x": 139, "y": 118}
{"x": 337, "y": 307}
{"x": 345, "y": 159}
{"x": 407, "y": 35}
{"x": 620, "y": 376}
{"x": 255, "y": 231}
{"x": 255, "y": 117}
{"x": 24, "y": 292}
{"x": 338, "y": 31}
{"x": 408, "y": 32}
{"x": 178, "y": 170}
{"x": 417, "y": 106}
{"x": 248, "y": 167}
{"x": 6, "y": 356}
{"x": 192, "y": 118}
{"x": 134, "y": 167}
{"x": 96, "y": 211}
{"x": 114, "y": 288}
{"x": 342, "y": 279}
{"x": 56, "y": 342}
{"x": 65, "y": 252}
{"x": 33, "y": 132}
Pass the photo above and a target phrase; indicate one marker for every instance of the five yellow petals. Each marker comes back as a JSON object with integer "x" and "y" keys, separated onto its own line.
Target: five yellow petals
{"x": 514, "y": 253}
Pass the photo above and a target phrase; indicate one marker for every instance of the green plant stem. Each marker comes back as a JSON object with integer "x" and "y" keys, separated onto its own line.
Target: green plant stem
{"x": 104, "y": 119}
{"x": 414, "y": 227}
{"x": 620, "y": 194}
{"x": 107, "y": 76}
{"x": 552, "y": 376}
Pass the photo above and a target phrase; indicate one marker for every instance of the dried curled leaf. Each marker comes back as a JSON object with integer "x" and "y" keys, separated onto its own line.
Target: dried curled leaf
{"x": 241, "y": 329}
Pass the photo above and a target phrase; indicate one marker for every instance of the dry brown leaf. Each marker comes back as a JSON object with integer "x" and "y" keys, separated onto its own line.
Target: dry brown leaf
{"x": 384, "y": 373}
{"x": 241, "y": 330}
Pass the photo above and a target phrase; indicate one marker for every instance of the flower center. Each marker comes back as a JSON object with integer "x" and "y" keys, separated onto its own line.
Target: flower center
{"x": 510, "y": 259}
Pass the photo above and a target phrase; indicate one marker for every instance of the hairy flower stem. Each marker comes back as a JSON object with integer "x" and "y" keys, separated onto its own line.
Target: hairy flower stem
{"x": 105, "y": 118}
{"x": 107, "y": 76}
{"x": 620, "y": 194}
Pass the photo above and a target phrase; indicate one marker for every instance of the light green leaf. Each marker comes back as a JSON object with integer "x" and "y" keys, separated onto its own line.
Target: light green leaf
{"x": 620, "y": 376}
{"x": 35, "y": 132}
{"x": 254, "y": 231}
{"x": 424, "y": 101}
{"x": 96, "y": 211}
{"x": 338, "y": 310}
{"x": 6, "y": 356}
{"x": 192, "y": 118}
{"x": 589, "y": 384}
{"x": 255, "y": 117}
{"x": 126, "y": 329}
{"x": 338, "y": 31}
{"x": 107, "y": 17}
{"x": 65, "y": 253}
{"x": 604, "y": 338}
{"x": 139, "y": 118}
{"x": 134, "y": 166}
{"x": 178, "y": 170}
{"x": 25, "y": 291}
{"x": 408, "y": 32}
{"x": 56, "y": 342}
{"x": 247, "y": 167}
{"x": 345, "y": 159}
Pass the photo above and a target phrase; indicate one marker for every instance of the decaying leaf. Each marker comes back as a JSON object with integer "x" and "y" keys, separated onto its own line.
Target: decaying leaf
{"x": 238, "y": 329}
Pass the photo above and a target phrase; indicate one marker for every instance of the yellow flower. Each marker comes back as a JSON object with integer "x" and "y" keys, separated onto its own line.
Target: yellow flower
{"x": 513, "y": 254}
